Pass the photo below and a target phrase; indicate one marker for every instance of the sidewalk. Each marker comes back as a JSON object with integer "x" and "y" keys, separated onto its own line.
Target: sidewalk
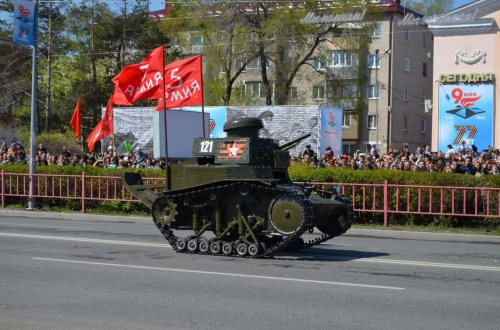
{"x": 388, "y": 233}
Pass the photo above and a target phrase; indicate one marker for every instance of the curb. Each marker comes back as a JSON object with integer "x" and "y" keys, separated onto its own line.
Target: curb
{"x": 353, "y": 232}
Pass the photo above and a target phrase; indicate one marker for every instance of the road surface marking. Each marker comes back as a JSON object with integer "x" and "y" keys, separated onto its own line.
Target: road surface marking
{"x": 91, "y": 240}
{"x": 286, "y": 279}
{"x": 281, "y": 257}
{"x": 30, "y": 225}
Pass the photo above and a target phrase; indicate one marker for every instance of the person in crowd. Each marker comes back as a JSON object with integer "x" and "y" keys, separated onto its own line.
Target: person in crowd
{"x": 463, "y": 147}
{"x": 20, "y": 159}
{"x": 353, "y": 164}
{"x": 41, "y": 148}
{"x": 13, "y": 148}
{"x": 114, "y": 162}
{"x": 5, "y": 148}
{"x": 308, "y": 151}
{"x": 344, "y": 162}
{"x": 65, "y": 152}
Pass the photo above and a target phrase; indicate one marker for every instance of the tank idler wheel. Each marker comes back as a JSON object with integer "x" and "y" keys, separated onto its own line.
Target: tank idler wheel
{"x": 181, "y": 244}
{"x": 204, "y": 246}
{"x": 254, "y": 250}
{"x": 227, "y": 248}
{"x": 242, "y": 249}
{"x": 192, "y": 245}
{"x": 215, "y": 247}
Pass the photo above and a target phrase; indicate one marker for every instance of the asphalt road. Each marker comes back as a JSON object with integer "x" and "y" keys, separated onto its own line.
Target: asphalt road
{"x": 74, "y": 274}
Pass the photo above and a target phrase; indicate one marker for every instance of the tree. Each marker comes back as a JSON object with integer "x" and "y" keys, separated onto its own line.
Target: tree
{"x": 431, "y": 7}
{"x": 78, "y": 57}
{"x": 267, "y": 35}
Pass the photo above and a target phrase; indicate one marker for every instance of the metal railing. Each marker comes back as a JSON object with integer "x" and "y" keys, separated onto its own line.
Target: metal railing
{"x": 384, "y": 199}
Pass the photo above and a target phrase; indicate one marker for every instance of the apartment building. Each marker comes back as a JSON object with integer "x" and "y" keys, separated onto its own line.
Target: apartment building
{"x": 467, "y": 60}
{"x": 397, "y": 70}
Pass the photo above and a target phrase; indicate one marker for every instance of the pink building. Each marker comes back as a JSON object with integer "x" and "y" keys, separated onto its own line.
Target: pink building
{"x": 466, "y": 61}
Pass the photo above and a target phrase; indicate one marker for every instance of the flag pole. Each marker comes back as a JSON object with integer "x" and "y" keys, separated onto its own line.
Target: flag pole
{"x": 165, "y": 125}
{"x": 202, "y": 98}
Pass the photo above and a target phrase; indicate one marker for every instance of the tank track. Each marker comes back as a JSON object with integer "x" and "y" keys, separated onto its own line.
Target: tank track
{"x": 287, "y": 241}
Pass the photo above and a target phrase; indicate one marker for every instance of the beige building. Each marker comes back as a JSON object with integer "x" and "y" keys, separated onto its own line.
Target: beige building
{"x": 467, "y": 60}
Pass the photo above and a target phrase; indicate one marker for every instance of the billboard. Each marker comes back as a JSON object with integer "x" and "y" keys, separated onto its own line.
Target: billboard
{"x": 331, "y": 129}
{"x": 465, "y": 112}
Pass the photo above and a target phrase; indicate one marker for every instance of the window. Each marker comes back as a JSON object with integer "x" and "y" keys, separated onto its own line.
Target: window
{"x": 292, "y": 94}
{"x": 319, "y": 64}
{"x": 348, "y": 149}
{"x": 256, "y": 89}
{"x": 347, "y": 90}
{"x": 407, "y": 35}
{"x": 197, "y": 44}
{"x": 174, "y": 42}
{"x": 424, "y": 69}
{"x": 373, "y": 92}
{"x": 372, "y": 122}
{"x": 425, "y": 40}
{"x": 339, "y": 58}
{"x": 405, "y": 122}
{"x": 346, "y": 119}
{"x": 405, "y": 94}
{"x": 424, "y": 97}
{"x": 407, "y": 64}
{"x": 256, "y": 63}
{"x": 318, "y": 92}
{"x": 423, "y": 125}
{"x": 375, "y": 33}
{"x": 240, "y": 64}
{"x": 372, "y": 61}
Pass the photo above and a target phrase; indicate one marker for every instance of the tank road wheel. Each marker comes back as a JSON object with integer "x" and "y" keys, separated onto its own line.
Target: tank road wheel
{"x": 215, "y": 247}
{"x": 227, "y": 248}
{"x": 181, "y": 244}
{"x": 286, "y": 214}
{"x": 242, "y": 249}
{"x": 164, "y": 212}
{"x": 253, "y": 250}
{"x": 192, "y": 245}
{"x": 204, "y": 246}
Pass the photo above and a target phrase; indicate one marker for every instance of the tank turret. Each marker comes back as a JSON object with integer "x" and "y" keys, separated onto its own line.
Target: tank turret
{"x": 238, "y": 189}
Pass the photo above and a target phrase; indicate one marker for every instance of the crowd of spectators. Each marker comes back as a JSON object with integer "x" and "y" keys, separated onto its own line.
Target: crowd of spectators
{"x": 16, "y": 154}
{"x": 464, "y": 159}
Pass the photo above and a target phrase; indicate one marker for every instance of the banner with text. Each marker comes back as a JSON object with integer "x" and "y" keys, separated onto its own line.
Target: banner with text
{"x": 24, "y": 22}
{"x": 465, "y": 113}
{"x": 331, "y": 129}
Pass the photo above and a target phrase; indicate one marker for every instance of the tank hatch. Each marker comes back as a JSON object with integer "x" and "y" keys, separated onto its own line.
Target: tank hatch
{"x": 243, "y": 127}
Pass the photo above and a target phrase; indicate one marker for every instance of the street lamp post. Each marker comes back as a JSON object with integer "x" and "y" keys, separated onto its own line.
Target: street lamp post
{"x": 377, "y": 65}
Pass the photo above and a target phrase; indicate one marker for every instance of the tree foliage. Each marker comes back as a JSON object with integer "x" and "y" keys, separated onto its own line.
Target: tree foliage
{"x": 266, "y": 36}
{"x": 431, "y": 7}
{"x": 77, "y": 58}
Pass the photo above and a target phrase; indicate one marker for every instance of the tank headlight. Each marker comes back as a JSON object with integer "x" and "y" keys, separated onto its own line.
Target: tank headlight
{"x": 336, "y": 189}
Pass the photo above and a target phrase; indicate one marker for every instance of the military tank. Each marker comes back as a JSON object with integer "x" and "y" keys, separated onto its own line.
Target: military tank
{"x": 235, "y": 198}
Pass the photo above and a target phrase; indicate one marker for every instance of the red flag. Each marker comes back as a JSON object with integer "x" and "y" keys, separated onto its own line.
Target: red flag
{"x": 75, "y": 120}
{"x": 152, "y": 79}
{"x": 104, "y": 128}
{"x": 183, "y": 84}
{"x": 139, "y": 81}
{"x": 126, "y": 84}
